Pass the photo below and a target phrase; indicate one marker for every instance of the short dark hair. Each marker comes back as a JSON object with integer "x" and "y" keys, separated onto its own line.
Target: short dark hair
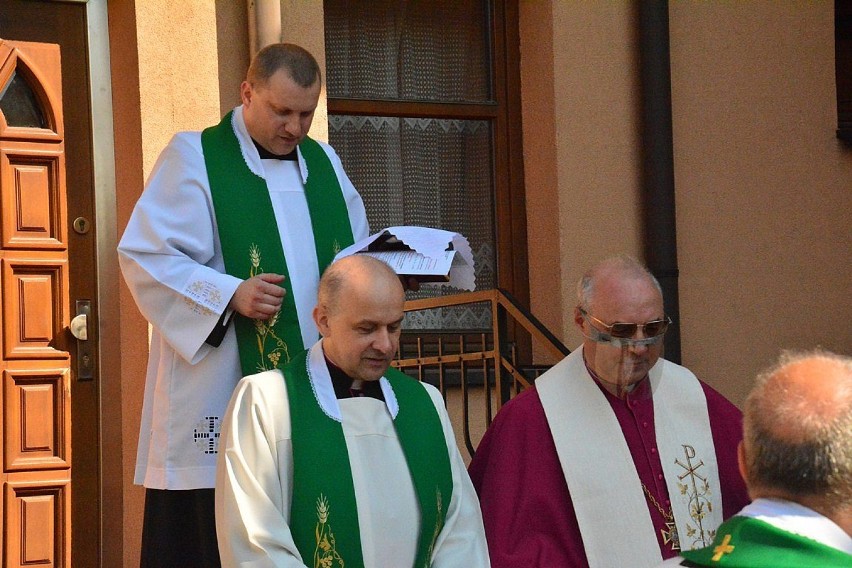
{"x": 296, "y": 60}
{"x": 817, "y": 461}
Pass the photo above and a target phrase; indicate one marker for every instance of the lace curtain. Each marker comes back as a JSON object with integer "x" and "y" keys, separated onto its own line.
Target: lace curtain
{"x": 425, "y": 50}
{"x": 418, "y": 171}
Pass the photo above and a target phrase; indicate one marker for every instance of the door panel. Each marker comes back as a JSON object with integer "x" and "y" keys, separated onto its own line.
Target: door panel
{"x": 32, "y": 208}
{"x": 36, "y": 420}
{"x": 36, "y": 403}
{"x": 37, "y": 512}
{"x": 35, "y": 304}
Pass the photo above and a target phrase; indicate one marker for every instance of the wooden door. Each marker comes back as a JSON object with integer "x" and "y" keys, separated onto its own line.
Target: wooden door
{"x": 67, "y": 521}
{"x": 34, "y": 310}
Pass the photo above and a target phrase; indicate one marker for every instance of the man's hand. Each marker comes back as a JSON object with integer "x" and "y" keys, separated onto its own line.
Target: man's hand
{"x": 259, "y": 297}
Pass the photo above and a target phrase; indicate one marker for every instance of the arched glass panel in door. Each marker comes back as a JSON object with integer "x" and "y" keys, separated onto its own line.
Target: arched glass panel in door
{"x": 20, "y": 105}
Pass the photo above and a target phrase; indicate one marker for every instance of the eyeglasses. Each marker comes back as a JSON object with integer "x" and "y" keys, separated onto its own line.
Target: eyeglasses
{"x": 620, "y": 330}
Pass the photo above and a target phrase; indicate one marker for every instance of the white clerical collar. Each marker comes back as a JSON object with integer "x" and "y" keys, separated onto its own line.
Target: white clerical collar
{"x": 250, "y": 153}
{"x": 324, "y": 389}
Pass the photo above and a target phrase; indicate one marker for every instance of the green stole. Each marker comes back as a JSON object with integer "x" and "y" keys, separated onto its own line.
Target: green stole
{"x": 251, "y": 245}
{"x": 324, "y": 496}
{"x": 751, "y": 543}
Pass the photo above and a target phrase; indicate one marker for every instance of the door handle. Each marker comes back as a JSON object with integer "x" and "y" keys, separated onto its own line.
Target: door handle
{"x": 79, "y": 328}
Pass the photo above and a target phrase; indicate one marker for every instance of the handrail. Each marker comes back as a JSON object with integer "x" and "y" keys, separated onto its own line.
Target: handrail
{"x": 501, "y": 298}
{"x": 500, "y": 358}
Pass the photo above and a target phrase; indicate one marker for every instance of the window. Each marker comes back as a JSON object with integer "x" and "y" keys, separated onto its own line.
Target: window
{"x": 422, "y": 100}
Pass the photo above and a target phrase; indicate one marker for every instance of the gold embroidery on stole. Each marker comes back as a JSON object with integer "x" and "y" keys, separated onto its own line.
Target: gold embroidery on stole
{"x": 697, "y": 489}
{"x": 264, "y": 329}
{"x": 325, "y": 554}
{"x": 439, "y": 526}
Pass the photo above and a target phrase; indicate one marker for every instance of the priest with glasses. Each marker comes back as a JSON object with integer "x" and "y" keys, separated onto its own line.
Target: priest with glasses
{"x": 616, "y": 456}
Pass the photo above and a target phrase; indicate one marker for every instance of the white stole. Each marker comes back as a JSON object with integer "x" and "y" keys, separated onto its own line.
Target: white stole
{"x": 606, "y": 492}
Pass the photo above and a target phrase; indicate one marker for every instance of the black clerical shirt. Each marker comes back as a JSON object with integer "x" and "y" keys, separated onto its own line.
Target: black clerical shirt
{"x": 343, "y": 384}
{"x": 267, "y": 155}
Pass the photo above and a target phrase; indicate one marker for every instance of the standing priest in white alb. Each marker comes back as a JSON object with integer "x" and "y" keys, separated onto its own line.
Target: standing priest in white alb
{"x": 236, "y": 223}
{"x": 341, "y": 460}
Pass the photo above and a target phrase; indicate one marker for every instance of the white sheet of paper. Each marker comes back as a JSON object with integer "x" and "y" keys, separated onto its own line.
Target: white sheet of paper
{"x": 413, "y": 263}
{"x": 429, "y": 255}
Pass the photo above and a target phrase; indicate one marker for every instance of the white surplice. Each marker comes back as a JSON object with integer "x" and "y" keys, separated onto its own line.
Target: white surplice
{"x": 792, "y": 518}
{"x": 172, "y": 261}
{"x": 255, "y": 475}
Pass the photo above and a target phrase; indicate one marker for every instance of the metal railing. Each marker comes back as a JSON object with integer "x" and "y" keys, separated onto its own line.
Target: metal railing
{"x": 485, "y": 360}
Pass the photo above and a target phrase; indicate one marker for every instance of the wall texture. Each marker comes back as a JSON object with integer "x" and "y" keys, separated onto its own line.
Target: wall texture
{"x": 763, "y": 186}
{"x": 124, "y": 63}
{"x": 597, "y": 143}
{"x": 178, "y": 71}
{"x": 764, "y": 190}
{"x": 232, "y": 45}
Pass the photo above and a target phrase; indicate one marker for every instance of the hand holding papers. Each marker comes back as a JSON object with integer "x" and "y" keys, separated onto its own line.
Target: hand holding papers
{"x": 432, "y": 256}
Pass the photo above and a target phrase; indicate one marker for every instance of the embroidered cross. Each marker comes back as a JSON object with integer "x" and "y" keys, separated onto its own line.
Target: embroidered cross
{"x": 206, "y": 435}
{"x": 723, "y": 548}
{"x": 691, "y": 470}
{"x": 669, "y": 535}
{"x": 697, "y": 495}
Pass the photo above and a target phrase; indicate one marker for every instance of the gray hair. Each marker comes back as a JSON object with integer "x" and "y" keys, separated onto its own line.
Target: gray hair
{"x": 297, "y": 61}
{"x": 816, "y": 460}
{"x": 623, "y": 264}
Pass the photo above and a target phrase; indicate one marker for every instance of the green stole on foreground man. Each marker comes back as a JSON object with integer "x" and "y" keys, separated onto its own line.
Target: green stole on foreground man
{"x": 324, "y": 512}
{"x": 250, "y": 241}
{"x": 746, "y": 542}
